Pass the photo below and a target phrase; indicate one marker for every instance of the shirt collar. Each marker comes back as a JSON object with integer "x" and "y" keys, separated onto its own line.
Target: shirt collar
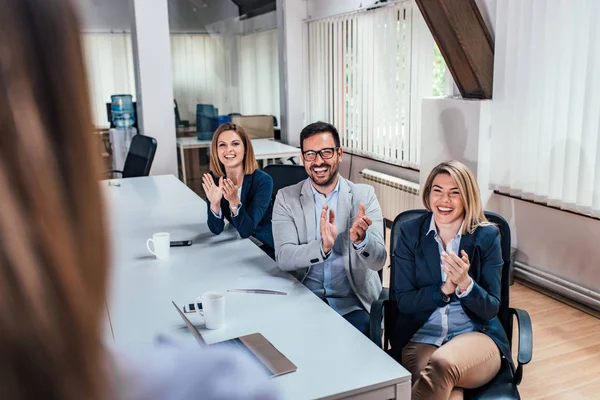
{"x": 315, "y": 192}
{"x": 433, "y": 228}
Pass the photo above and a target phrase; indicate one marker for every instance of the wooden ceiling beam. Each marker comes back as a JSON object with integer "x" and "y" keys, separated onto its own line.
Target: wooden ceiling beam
{"x": 465, "y": 43}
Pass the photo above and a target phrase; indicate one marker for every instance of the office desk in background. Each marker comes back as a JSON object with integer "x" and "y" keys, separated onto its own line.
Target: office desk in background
{"x": 334, "y": 359}
{"x": 264, "y": 149}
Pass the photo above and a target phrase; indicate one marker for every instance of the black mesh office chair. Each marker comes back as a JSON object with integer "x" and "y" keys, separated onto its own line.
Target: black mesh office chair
{"x": 504, "y": 385}
{"x": 139, "y": 157}
{"x": 285, "y": 175}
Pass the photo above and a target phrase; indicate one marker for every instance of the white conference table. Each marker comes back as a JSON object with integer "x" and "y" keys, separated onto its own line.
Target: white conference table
{"x": 264, "y": 149}
{"x": 334, "y": 359}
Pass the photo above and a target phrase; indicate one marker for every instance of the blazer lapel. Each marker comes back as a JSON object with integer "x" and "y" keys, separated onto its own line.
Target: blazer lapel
{"x": 247, "y": 183}
{"x": 308, "y": 210}
{"x": 467, "y": 243}
{"x": 344, "y": 207}
{"x": 432, "y": 251}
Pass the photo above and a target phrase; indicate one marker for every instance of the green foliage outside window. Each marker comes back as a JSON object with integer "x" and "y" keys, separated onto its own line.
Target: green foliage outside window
{"x": 439, "y": 72}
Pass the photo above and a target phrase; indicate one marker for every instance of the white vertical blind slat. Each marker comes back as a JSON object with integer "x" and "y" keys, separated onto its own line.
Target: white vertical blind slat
{"x": 546, "y": 109}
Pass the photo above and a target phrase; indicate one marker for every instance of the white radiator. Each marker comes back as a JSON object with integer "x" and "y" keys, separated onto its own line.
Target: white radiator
{"x": 394, "y": 194}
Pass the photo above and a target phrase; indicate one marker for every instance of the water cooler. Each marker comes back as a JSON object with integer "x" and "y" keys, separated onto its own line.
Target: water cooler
{"x": 123, "y": 119}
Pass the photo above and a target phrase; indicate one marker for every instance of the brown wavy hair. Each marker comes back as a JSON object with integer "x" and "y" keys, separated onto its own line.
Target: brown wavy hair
{"x": 53, "y": 250}
{"x": 216, "y": 166}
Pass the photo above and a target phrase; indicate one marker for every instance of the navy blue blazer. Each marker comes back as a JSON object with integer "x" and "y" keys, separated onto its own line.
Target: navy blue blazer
{"x": 418, "y": 278}
{"x": 254, "y": 216}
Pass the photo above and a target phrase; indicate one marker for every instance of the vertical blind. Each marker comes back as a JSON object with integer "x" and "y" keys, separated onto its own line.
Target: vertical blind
{"x": 109, "y": 63}
{"x": 259, "y": 73}
{"x": 367, "y": 74}
{"x": 546, "y": 108}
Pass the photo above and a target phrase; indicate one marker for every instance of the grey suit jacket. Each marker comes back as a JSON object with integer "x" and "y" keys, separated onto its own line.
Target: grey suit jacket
{"x": 296, "y": 246}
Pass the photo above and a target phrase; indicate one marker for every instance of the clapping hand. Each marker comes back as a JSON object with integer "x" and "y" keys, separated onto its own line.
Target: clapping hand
{"x": 328, "y": 229}
{"x": 230, "y": 191}
{"x": 457, "y": 269}
{"x": 360, "y": 225}
{"x": 213, "y": 192}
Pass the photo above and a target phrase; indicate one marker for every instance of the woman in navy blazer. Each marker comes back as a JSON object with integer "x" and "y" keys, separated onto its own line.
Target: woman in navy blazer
{"x": 236, "y": 189}
{"x": 448, "y": 268}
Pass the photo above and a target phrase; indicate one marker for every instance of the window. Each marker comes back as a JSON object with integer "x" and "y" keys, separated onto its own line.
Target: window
{"x": 546, "y": 107}
{"x": 259, "y": 73}
{"x": 367, "y": 74}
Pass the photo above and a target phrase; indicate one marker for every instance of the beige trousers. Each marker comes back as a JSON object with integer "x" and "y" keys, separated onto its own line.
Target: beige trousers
{"x": 466, "y": 361}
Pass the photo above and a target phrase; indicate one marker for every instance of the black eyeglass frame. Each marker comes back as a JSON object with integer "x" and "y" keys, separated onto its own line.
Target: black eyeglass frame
{"x": 333, "y": 150}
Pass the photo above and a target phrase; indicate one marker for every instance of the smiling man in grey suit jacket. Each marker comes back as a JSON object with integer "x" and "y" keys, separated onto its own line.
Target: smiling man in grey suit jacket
{"x": 328, "y": 231}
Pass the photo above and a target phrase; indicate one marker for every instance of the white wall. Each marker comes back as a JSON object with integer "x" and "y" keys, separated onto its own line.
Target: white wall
{"x": 293, "y": 68}
{"x": 456, "y": 129}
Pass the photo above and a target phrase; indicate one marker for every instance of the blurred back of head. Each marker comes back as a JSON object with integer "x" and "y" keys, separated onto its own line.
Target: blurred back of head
{"x": 53, "y": 255}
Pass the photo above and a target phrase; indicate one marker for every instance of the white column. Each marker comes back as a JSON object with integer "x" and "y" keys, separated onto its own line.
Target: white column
{"x": 293, "y": 68}
{"x": 154, "y": 80}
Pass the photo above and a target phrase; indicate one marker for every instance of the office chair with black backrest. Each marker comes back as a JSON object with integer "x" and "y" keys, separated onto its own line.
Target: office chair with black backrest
{"x": 139, "y": 157}
{"x": 285, "y": 175}
{"x": 385, "y": 292}
{"x": 504, "y": 385}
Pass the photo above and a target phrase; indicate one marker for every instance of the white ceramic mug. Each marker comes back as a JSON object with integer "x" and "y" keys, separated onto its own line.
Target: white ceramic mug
{"x": 162, "y": 245}
{"x": 213, "y": 309}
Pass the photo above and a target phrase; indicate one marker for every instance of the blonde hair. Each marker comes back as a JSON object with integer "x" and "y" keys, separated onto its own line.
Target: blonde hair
{"x": 469, "y": 191}
{"x": 250, "y": 164}
{"x": 53, "y": 249}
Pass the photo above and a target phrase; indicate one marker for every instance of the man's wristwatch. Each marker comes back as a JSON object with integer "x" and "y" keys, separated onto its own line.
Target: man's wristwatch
{"x": 445, "y": 297}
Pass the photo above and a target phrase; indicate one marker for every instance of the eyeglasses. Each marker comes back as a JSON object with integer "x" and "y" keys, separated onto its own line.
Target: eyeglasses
{"x": 326, "y": 153}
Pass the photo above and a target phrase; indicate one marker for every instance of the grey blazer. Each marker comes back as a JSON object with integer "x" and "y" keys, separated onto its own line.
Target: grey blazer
{"x": 296, "y": 247}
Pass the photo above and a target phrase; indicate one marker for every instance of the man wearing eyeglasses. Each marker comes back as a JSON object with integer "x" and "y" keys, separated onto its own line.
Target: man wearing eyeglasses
{"x": 328, "y": 231}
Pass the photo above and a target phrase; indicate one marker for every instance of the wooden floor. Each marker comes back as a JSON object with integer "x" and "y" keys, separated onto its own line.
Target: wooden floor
{"x": 566, "y": 347}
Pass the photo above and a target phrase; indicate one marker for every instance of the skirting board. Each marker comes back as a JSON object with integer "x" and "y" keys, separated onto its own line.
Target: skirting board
{"x": 562, "y": 287}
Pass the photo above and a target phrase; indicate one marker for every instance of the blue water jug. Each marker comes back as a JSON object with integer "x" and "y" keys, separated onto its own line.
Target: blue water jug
{"x": 122, "y": 110}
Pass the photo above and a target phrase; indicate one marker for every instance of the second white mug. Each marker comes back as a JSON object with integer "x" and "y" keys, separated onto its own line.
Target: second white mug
{"x": 213, "y": 309}
{"x": 161, "y": 242}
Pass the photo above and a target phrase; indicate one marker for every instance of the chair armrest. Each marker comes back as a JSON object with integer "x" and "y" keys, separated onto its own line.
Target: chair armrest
{"x": 525, "y": 351}
{"x": 385, "y": 294}
{"x": 375, "y": 318}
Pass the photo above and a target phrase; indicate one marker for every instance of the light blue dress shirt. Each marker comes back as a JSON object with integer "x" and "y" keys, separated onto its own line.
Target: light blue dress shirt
{"x": 328, "y": 280}
{"x": 450, "y": 320}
